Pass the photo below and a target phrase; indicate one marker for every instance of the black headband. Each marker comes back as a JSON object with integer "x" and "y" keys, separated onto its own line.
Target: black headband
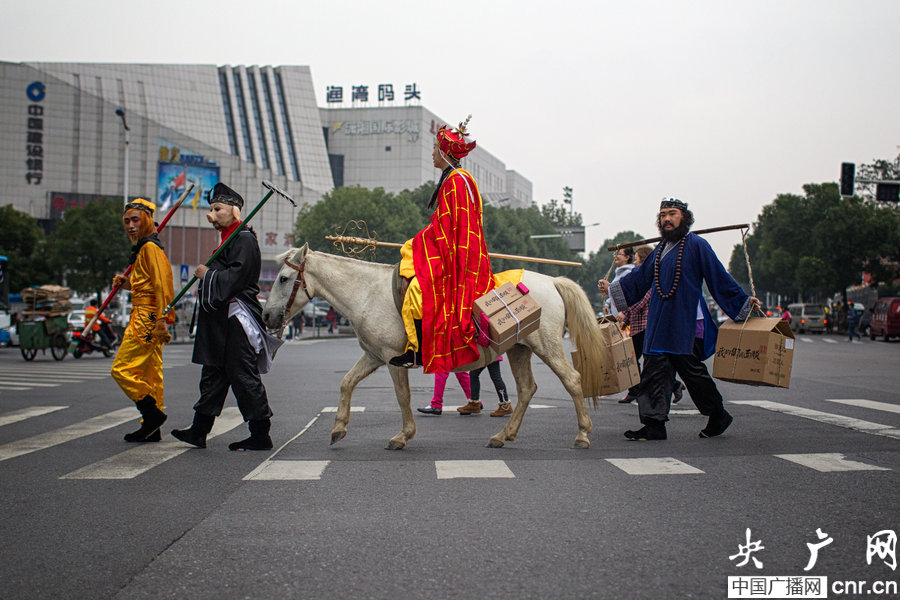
{"x": 138, "y": 206}
{"x": 673, "y": 203}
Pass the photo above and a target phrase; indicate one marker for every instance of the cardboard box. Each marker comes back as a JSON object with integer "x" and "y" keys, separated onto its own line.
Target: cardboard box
{"x": 618, "y": 372}
{"x": 758, "y": 352}
{"x": 496, "y": 299}
{"x": 512, "y": 323}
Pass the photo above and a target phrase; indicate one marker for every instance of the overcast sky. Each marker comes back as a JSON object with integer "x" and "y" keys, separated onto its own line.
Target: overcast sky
{"x": 721, "y": 104}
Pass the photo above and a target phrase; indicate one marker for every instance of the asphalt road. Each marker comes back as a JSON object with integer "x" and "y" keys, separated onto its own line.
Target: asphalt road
{"x": 85, "y": 515}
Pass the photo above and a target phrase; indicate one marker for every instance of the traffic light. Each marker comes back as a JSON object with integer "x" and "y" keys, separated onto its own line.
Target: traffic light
{"x": 887, "y": 192}
{"x": 848, "y": 174}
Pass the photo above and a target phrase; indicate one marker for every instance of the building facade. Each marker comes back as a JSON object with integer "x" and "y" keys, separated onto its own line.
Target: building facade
{"x": 64, "y": 143}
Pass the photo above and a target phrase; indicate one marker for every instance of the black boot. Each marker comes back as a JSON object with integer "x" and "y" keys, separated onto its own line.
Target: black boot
{"x": 717, "y": 424}
{"x": 151, "y": 420}
{"x": 259, "y": 437}
{"x": 195, "y": 435}
{"x": 410, "y": 359}
{"x": 652, "y": 430}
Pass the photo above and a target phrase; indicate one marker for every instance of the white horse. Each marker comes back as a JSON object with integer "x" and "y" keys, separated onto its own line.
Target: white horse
{"x": 362, "y": 292}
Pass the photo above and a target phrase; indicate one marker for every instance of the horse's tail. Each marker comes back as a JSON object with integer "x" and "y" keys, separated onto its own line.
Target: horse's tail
{"x": 582, "y": 324}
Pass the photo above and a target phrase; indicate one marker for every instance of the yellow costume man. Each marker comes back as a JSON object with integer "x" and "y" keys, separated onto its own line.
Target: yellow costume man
{"x": 137, "y": 367}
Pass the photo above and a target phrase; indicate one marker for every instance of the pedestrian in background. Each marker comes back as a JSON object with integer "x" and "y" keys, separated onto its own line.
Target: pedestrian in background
{"x": 852, "y": 322}
{"x": 622, "y": 260}
{"x": 505, "y": 408}
{"x": 436, "y": 407}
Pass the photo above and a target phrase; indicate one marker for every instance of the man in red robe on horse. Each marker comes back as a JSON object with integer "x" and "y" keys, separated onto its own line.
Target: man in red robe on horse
{"x": 448, "y": 264}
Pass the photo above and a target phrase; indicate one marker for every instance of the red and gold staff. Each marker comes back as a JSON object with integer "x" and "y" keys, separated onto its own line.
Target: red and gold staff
{"x": 448, "y": 265}
{"x": 138, "y": 366}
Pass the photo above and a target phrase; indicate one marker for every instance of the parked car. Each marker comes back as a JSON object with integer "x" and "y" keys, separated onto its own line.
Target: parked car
{"x": 807, "y": 317}
{"x": 76, "y": 320}
{"x": 885, "y": 318}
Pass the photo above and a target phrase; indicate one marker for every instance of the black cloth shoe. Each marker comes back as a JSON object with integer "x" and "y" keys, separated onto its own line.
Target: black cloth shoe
{"x": 678, "y": 393}
{"x": 191, "y": 436}
{"x": 407, "y": 360}
{"x": 650, "y": 431}
{"x": 254, "y": 442}
{"x": 156, "y": 436}
{"x": 430, "y": 410}
{"x": 717, "y": 424}
{"x": 151, "y": 420}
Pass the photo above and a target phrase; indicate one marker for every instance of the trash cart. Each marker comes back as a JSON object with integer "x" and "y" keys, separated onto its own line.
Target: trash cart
{"x": 43, "y": 334}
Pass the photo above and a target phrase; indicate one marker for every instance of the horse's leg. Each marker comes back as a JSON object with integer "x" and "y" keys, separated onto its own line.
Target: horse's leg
{"x": 401, "y": 389}
{"x": 520, "y": 362}
{"x": 362, "y": 369}
{"x": 571, "y": 380}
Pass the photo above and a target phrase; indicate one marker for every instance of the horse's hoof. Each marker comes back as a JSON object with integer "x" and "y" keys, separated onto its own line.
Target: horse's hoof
{"x": 494, "y": 443}
{"x": 582, "y": 444}
{"x": 337, "y": 436}
{"x": 395, "y": 445}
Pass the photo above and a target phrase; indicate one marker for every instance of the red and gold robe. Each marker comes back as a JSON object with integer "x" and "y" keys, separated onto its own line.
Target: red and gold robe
{"x": 452, "y": 268}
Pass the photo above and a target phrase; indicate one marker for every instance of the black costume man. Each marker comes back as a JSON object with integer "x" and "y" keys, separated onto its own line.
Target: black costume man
{"x": 231, "y": 341}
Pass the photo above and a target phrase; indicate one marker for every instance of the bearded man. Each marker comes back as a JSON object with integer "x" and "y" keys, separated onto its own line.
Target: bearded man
{"x": 680, "y": 332}
{"x": 137, "y": 367}
{"x": 449, "y": 266}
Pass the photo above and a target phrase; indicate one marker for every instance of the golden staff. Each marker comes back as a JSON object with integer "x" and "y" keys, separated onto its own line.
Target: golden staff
{"x": 358, "y": 241}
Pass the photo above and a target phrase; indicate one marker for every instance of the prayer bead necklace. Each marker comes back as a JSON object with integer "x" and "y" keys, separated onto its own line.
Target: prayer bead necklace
{"x": 677, "y": 270}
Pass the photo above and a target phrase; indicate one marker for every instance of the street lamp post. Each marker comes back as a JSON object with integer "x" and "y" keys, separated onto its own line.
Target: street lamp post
{"x": 121, "y": 113}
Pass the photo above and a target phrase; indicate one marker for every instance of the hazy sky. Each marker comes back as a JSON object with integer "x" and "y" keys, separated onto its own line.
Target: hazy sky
{"x": 722, "y": 104}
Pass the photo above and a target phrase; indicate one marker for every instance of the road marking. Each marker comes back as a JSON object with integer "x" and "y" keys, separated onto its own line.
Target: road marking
{"x": 823, "y": 417}
{"x": 885, "y": 406}
{"x": 66, "y": 434}
{"x": 2, "y": 381}
{"x": 143, "y": 457}
{"x": 289, "y": 470}
{"x": 829, "y": 462}
{"x": 806, "y": 339}
{"x": 654, "y": 466}
{"x": 829, "y": 341}
{"x": 27, "y": 379}
{"x": 10, "y": 388}
{"x": 353, "y": 409}
{"x": 455, "y": 469}
{"x": 26, "y": 413}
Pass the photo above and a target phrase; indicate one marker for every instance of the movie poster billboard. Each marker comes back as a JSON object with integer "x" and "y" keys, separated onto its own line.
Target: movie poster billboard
{"x": 179, "y": 167}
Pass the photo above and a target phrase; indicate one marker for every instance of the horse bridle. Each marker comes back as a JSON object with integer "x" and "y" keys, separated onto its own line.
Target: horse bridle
{"x": 300, "y": 282}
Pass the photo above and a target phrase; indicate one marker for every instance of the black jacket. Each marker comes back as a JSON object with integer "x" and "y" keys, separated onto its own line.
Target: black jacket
{"x": 234, "y": 274}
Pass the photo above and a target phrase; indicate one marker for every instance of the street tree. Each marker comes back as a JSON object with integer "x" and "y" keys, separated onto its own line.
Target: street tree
{"x": 90, "y": 246}
{"x": 819, "y": 243}
{"x": 22, "y": 242}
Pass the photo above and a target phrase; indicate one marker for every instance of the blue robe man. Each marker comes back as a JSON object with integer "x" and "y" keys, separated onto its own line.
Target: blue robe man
{"x": 680, "y": 331}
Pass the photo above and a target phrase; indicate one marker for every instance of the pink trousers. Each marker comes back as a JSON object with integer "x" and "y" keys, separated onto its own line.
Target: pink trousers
{"x": 440, "y": 382}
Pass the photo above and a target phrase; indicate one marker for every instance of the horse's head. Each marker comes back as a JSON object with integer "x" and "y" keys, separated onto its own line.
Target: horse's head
{"x": 289, "y": 293}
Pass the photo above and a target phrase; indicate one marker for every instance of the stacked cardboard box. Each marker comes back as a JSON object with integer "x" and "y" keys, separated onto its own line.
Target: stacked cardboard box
{"x": 46, "y": 301}
{"x": 618, "y": 368}
{"x": 505, "y": 315}
{"x": 759, "y": 351}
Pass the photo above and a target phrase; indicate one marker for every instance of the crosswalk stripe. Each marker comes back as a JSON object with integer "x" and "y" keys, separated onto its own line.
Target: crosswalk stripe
{"x": 66, "y": 434}
{"x": 829, "y": 341}
{"x": 455, "y": 469}
{"x": 806, "y": 339}
{"x": 143, "y": 457}
{"x": 823, "y": 417}
{"x": 26, "y": 413}
{"x": 27, "y": 379}
{"x": 654, "y": 466}
{"x": 289, "y": 470}
{"x": 12, "y": 388}
{"x": 829, "y": 462}
{"x": 353, "y": 409}
{"x": 2, "y": 381}
{"x": 885, "y": 406}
